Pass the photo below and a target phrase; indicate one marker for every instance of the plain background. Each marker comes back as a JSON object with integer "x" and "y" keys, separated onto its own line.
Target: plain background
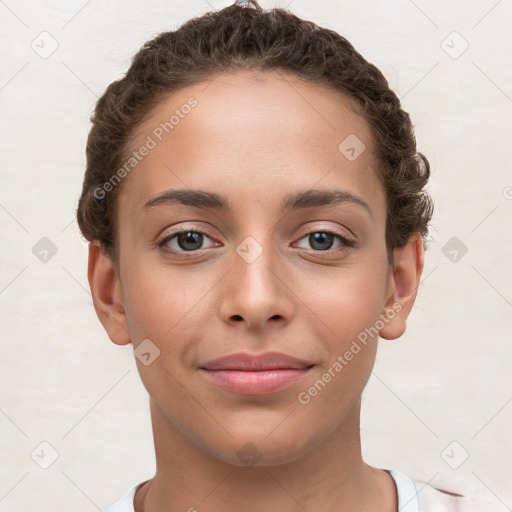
{"x": 438, "y": 394}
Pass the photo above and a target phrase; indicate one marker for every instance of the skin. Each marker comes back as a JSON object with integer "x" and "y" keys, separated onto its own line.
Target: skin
{"x": 256, "y": 137}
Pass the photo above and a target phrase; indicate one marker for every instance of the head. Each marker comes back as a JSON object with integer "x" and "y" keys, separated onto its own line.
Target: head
{"x": 296, "y": 220}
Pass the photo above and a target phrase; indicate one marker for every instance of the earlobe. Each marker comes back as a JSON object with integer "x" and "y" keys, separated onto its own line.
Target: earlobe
{"x": 107, "y": 295}
{"x": 405, "y": 279}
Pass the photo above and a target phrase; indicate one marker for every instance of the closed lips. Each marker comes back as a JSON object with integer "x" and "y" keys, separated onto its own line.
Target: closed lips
{"x": 260, "y": 362}
{"x": 253, "y": 374}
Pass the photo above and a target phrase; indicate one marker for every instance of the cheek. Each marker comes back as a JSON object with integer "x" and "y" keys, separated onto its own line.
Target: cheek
{"x": 160, "y": 299}
{"x": 349, "y": 300}
{"x": 351, "y": 344}
{"x": 349, "y": 309}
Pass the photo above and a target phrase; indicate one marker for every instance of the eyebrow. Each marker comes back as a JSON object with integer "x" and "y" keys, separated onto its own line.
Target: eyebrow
{"x": 302, "y": 199}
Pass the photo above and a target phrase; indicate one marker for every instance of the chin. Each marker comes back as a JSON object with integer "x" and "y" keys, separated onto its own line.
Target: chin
{"x": 260, "y": 450}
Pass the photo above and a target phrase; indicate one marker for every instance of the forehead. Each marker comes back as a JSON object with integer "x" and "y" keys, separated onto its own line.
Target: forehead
{"x": 253, "y": 133}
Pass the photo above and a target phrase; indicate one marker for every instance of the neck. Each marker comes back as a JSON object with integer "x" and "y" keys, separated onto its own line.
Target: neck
{"x": 331, "y": 477}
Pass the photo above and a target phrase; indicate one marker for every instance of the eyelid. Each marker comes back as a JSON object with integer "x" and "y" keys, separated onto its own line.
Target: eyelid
{"x": 195, "y": 227}
{"x": 347, "y": 234}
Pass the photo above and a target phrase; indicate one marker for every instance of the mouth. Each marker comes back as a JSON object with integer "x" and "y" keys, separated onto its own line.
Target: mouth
{"x": 256, "y": 374}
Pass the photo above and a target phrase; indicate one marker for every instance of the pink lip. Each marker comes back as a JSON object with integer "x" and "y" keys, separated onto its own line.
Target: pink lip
{"x": 257, "y": 382}
{"x": 261, "y": 374}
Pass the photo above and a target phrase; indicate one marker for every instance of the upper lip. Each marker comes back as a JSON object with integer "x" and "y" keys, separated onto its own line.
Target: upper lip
{"x": 257, "y": 362}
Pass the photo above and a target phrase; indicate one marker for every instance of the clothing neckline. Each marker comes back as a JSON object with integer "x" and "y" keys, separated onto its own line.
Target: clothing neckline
{"x": 408, "y": 499}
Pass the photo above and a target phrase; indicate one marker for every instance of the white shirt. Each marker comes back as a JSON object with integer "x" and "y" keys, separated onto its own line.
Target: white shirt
{"x": 413, "y": 496}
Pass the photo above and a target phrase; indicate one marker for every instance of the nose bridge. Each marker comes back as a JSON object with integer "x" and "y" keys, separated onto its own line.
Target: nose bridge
{"x": 255, "y": 291}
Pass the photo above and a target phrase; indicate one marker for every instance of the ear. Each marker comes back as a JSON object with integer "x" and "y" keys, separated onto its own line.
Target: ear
{"x": 403, "y": 286}
{"x": 107, "y": 295}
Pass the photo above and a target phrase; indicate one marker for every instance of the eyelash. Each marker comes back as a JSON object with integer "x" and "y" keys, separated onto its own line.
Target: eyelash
{"x": 346, "y": 242}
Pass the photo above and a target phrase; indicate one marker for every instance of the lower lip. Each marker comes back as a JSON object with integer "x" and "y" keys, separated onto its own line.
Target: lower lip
{"x": 256, "y": 383}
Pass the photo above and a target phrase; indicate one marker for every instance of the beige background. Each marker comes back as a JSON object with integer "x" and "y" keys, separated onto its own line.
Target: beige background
{"x": 64, "y": 383}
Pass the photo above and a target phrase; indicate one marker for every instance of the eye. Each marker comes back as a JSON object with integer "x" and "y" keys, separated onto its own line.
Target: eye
{"x": 323, "y": 240}
{"x": 187, "y": 240}
{"x": 191, "y": 240}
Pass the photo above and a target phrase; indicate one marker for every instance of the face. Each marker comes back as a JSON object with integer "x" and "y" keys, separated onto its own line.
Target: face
{"x": 254, "y": 266}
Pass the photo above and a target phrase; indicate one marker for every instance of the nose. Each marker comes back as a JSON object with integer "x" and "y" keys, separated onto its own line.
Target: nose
{"x": 255, "y": 294}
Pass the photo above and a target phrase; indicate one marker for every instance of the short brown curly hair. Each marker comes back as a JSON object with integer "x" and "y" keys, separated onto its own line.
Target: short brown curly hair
{"x": 248, "y": 37}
